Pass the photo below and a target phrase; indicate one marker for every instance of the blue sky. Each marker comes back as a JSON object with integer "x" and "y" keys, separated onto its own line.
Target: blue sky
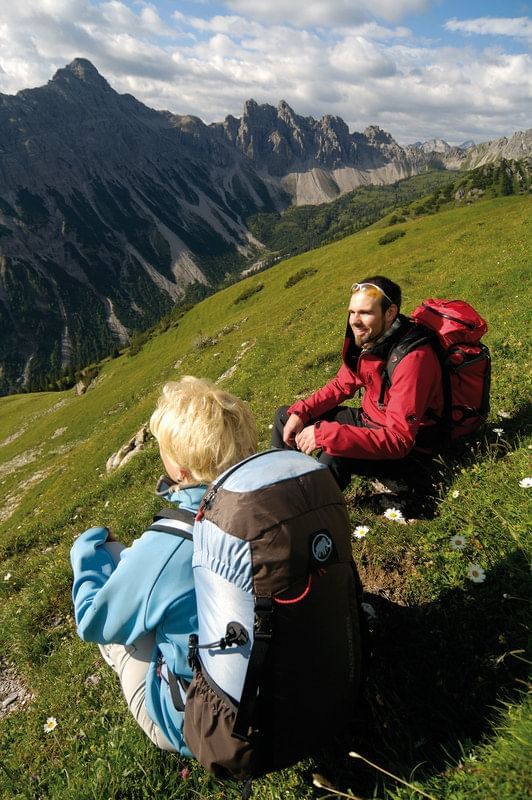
{"x": 418, "y": 68}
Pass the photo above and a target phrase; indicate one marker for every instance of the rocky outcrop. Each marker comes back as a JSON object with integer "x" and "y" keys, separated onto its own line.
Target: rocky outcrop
{"x": 128, "y": 450}
{"x": 86, "y": 380}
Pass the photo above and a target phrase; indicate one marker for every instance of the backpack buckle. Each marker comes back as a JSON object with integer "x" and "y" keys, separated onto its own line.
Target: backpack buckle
{"x": 263, "y": 618}
{"x": 192, "y": 658}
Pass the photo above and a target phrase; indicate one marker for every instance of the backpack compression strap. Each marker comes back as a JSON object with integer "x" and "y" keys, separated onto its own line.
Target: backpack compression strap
{"x": 177, "y": 521}
{"x": 259, "y": 651}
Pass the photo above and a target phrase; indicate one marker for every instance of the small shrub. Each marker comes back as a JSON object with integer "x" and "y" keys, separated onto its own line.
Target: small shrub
{"x": 249, "y": 292}
{"x": 299, "y": 276}
{"x": 391, "y": 236}
{"x": 138, "y": 340}
{"x": 394, "y": 219}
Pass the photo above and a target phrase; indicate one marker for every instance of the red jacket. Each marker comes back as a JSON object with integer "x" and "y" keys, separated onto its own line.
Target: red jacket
{"x": 392, "y": 427}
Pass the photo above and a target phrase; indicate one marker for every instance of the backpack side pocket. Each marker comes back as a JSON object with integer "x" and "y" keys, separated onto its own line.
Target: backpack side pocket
{"x": 208, "y": 729}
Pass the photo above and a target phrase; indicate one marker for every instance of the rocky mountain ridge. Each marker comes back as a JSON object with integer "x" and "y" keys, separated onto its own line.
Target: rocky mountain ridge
{"x": 517, "y": 147}
{"x": 315, "y": 161}
{"x": 109, "y": 209}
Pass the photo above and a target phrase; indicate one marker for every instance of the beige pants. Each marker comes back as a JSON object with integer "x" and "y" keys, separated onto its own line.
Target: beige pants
{"x": 131, "y": 664}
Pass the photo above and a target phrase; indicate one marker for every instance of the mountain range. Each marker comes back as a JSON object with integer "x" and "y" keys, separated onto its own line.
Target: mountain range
{"x": 441, "y": 146}
{"x": 109, "y": 209}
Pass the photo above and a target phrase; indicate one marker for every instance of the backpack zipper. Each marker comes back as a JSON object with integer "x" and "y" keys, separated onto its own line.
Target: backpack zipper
{"x": 209, "y": 496}
{"x": 470, "y": 325}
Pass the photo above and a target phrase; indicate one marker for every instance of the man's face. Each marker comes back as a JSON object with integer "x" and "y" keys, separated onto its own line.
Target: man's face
{"x": 366, "y": 317}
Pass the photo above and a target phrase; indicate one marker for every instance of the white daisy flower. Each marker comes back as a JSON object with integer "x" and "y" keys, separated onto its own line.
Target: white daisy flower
{"x": 458, "y": 542}
{"x": 455, "y": 494}
{"x": 504, "y": 414}
{"x": 498, "y": 431}
{"x": 525, "y": 483}
{"x": 50, "y": 724}
{"x": 394, "y": 514}
{"x": 7, "y": 576}
{"x": 360, "y": 531}
{"x": 476, "y": 573}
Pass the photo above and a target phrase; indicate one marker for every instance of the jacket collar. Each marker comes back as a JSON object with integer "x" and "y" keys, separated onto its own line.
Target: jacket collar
{"x": 187, "y": 497}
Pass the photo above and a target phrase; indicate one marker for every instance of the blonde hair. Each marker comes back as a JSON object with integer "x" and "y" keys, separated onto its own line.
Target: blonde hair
{"x": 202, "y": 428}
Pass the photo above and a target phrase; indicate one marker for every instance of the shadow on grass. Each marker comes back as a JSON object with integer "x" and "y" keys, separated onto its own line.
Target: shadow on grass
{"x": 437, "y": 674}
{"x": 429, "y": 484}
{"x": 519, "y": 425}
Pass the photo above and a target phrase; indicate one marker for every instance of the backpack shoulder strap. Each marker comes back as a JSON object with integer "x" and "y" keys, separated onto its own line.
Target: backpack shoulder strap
{"x": 177, "y": 521}
{"x": 417, "y": 336}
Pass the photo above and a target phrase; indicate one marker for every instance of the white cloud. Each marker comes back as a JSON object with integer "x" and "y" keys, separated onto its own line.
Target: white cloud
{"x": 359, "y": 57}
{"x": 372, "y": 30}
{"x": 319, "y": 13}
{"x": 364, "y": 71}
{"x": 116, "y": 15}
{"x": 516, "y": 27}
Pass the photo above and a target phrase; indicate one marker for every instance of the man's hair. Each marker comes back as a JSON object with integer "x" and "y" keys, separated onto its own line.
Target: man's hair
{"x": 389, "y": 287}
{"x": 202, "y": 428}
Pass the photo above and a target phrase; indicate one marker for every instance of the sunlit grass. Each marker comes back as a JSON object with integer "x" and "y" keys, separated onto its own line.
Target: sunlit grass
{"x": 447, "y": 653}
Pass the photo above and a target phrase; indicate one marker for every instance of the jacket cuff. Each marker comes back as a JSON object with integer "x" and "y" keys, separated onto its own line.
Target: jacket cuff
{"x": 320, "y": 434}
{"x": 299, "y": 409}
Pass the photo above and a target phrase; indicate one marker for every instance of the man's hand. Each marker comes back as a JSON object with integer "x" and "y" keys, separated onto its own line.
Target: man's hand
{"x": 293, "y": 426}
{"x": 306, "y": 440}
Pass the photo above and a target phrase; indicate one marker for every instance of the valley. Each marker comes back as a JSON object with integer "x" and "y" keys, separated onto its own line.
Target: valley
{"x": 112, "y": 212}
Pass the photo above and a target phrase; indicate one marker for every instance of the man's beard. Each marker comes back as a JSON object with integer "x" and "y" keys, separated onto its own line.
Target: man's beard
{"x": 368, "y": 337}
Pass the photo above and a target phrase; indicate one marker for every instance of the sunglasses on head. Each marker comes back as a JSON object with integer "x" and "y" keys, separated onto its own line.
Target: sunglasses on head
{"x": 369, "y": 287}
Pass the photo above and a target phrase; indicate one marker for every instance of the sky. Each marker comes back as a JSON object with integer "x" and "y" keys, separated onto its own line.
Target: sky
{"x": 420, "y": 69}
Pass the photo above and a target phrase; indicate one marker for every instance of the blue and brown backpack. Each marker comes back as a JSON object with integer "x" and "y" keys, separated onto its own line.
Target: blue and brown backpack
{"x": 277, "y": 658}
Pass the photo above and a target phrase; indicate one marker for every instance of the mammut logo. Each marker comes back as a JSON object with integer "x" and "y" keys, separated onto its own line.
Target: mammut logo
{"x": 322, "y": 546}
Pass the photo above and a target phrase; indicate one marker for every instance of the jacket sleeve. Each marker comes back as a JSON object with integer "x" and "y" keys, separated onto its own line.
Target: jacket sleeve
{"x": 416, "y": 387}
{"x": 119, "y": 603}
{"x": 343, "y": 386}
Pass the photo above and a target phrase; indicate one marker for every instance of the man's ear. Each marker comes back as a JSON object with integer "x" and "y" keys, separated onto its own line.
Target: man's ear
{"x": 391, "y": 313}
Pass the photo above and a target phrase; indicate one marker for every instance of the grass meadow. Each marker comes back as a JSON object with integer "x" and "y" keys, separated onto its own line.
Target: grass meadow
{"x": 446, "y": 704}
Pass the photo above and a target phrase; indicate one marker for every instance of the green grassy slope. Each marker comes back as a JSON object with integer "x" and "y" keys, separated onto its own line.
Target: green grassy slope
{"x": 447, "y": 652}
{"x": 300, "y": 227}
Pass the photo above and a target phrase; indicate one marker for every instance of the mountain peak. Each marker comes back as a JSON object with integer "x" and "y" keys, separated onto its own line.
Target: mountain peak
{"x": 376, "y": 135}
{"x": 83, "y": 70}
{"x": 283, "y": 107}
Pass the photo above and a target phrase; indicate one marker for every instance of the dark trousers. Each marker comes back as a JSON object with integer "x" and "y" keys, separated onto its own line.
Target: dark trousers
{"x": 416, "y": 469}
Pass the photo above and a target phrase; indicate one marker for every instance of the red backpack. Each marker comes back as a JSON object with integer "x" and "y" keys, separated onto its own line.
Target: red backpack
{"x": 454, "y": 329}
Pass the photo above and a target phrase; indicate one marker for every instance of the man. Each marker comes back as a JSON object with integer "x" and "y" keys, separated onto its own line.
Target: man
{"x": 392, "y": 434}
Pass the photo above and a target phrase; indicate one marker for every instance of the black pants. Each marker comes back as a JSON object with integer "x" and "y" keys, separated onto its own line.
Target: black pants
{"x": 416, "y": 469}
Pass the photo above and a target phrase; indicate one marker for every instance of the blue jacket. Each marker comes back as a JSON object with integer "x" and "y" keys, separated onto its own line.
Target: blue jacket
{"x": 151, "y": 589}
